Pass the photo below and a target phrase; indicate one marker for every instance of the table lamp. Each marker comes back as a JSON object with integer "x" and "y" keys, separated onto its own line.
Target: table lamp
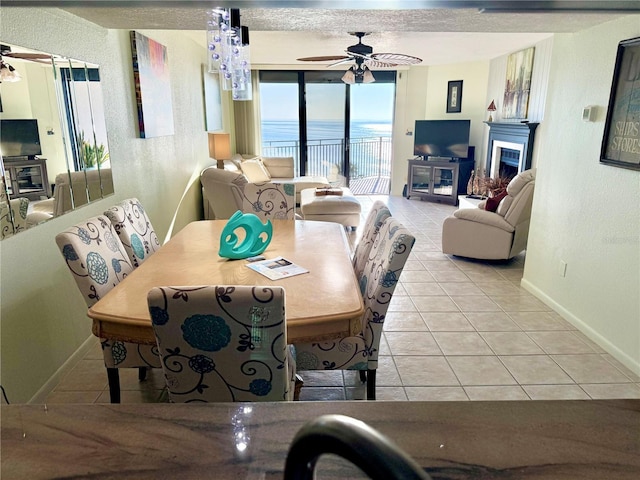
{"x": 491, "y": 108}
{"x": 220, "y": 147}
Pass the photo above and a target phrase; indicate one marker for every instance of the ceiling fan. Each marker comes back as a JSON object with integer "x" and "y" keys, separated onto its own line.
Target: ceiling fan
{"x": 5, "y": 51}
{"x": 7, "y": 72}
{"x": 364, "y": 59}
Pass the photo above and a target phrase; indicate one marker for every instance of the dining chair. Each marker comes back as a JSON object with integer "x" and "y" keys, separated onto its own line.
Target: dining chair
{"x": 377, "y": 215}
{"x": 389, "y": 253}
{"x": 13, "y": 216}
{"x": 275, "y": 201}
{"x": 98, "y": 261}
{"x": 223, "y": 343}
{"x": 134, "y": 229}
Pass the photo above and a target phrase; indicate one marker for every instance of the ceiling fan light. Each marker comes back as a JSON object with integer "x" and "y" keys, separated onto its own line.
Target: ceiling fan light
{"x": 367, "y": 76}
{"x": 349, "y": 76}
{"x": 8, "y": 73}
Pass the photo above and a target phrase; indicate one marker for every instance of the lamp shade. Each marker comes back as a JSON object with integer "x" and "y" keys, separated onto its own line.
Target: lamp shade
{"x": 219, "y": 147}
{"x": 492, "y": 106}
{"x": 349, "y": 76}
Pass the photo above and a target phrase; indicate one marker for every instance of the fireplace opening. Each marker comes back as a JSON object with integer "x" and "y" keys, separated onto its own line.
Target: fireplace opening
{"x": 509, "y": 162}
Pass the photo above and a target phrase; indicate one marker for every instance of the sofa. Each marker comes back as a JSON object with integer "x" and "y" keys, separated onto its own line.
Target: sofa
{"x": 493, "y": 235}
{"x": 222, "y": 188}
{"x": 97, "y": 183}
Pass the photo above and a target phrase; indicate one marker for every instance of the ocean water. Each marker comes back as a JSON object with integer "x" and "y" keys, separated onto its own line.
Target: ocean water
{"x": 287, "y": 131}
{"x": 370, "y": 156}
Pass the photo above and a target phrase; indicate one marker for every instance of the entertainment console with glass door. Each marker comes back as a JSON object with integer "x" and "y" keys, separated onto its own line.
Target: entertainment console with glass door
{"x": 439, "y": 180}
{"x": 27, "y": 178}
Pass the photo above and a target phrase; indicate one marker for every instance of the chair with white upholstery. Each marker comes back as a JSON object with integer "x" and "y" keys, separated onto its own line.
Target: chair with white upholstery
{"x": 223, "y": 343}
{"x": 388, "y": 255}
{"x": 134, "y": 229}
{"x": 98, "y": 261}
{"x": 275, "y": 201}
{"x": 498, "y": 229}
{"x": 377, "y": 215}
{"x": 13, "y": 216}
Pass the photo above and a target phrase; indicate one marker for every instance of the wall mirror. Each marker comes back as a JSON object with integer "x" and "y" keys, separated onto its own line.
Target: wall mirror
{"x": 53, "y": 137}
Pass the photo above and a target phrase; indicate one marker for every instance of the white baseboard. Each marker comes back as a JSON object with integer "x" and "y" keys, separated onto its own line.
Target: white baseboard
{"x": 618, "y": 354}
{"x": 44, "y": 391}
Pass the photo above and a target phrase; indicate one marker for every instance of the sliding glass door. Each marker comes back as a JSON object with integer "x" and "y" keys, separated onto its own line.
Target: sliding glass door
{"x": 339, "y": 131}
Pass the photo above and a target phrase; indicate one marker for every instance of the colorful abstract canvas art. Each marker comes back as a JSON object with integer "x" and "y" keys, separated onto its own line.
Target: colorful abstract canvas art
{"x": 153, "y": 87}
{"x": 518, "y": 85}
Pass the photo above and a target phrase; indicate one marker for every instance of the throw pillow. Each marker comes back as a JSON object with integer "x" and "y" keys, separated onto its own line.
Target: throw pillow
{"x": 492, "y": 202}
{"x": 255, "y": 171}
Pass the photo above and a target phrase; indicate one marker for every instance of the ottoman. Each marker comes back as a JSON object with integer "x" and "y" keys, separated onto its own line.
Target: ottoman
{"x": 343, "y": 209}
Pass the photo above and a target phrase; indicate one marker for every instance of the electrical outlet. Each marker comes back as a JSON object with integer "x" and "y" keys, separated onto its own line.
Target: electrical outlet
{"x": 562, "y": 270}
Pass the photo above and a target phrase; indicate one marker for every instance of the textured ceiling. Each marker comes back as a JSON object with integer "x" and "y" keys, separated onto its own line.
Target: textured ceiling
{"x": 438, "y": 36}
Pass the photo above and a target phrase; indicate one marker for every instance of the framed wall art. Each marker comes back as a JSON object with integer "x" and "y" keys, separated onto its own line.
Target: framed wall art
{"x": 454, "y": 96}
{"x": 621, "y": 140}
{"x": 153, "y": 88}
{"x": 518, "y": 84}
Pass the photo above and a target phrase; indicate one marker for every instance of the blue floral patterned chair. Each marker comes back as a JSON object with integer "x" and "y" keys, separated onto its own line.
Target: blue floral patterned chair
{"x": 389, "y": 253}
{"x": 223, "y": 343}
{"x": 377, "y": 215}
{"x": 274, "y": 201}
{"x": 98, "y": 261}
{"x": 134, "y": 229}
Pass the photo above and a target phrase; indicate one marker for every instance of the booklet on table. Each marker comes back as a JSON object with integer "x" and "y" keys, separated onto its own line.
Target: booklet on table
{"x": 276, "y": 268}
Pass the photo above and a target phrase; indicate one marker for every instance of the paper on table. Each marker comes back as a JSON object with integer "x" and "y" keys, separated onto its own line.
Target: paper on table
{"x": 276, "y": 268}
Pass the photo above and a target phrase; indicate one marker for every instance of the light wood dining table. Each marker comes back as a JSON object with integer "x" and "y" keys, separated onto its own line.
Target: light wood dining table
{"x": 322, "y": 304}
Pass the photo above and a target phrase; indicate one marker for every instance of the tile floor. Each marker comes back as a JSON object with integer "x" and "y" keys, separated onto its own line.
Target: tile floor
{"x": 456, "y": 329}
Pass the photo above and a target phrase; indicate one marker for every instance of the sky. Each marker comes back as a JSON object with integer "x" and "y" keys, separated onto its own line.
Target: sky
{"x": 371, "y": 102}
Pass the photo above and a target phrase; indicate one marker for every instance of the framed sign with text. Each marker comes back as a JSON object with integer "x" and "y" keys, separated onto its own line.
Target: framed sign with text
{"x": 621, "y": 141}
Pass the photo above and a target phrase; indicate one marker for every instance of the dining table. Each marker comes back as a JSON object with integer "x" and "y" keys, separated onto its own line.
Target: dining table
{"x": 322, "y": 304}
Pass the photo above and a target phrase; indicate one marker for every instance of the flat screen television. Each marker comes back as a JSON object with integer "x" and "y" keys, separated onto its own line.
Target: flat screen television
{"x": 441, "y": 138}
{"x": 20, "y": 138}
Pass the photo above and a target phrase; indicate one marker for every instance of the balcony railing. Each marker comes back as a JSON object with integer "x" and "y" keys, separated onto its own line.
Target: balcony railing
{"x": 370, "y": 159}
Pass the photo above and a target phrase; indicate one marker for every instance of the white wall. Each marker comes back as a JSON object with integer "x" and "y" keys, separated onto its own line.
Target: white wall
{"x": 585, "y": 213}
{"x": 421, "y": 94}
{"x": 537, "y": 95}
{"x": 43, "y": 317}
{"x": 474, "y": 76}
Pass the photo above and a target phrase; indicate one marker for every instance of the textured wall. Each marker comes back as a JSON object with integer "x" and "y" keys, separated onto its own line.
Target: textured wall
{"x": 584, "y": 213}
{"x": 43, "y": 318}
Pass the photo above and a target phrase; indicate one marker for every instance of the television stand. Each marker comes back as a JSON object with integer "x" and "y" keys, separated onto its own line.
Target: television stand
{"x": 440, "y": 180}
{"x": 27, "y": 178}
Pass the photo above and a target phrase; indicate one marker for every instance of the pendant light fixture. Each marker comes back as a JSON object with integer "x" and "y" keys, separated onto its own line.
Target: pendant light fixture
{"x": 228, "y": 46}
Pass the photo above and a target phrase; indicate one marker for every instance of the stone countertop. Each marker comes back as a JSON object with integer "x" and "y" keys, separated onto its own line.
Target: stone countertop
{"x": 451, "y": 440}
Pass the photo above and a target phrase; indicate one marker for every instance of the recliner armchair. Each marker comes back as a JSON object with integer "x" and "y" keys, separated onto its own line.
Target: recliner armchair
{"x": 499, "y": 235}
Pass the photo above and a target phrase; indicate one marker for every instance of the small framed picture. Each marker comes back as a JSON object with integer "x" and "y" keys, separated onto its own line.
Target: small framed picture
{"x": 454, "y": 96}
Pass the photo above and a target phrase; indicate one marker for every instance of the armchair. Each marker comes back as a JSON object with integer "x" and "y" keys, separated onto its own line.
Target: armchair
{"x": 499, "y": 235}
{"x": 94, "y": 183}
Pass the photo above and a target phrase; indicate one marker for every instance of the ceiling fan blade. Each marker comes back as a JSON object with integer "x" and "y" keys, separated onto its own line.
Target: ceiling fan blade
{"x": 378, "y": 64}
{"x": 326, "y": 58}
{"x": 395, "y": 58}
{"x": 340, "y": 62}
{"x": 360, "y": 55}
{"x": 28, "y": 56}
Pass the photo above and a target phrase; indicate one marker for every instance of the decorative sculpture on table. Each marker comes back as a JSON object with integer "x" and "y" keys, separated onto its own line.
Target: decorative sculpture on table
{"x": 256, "y": 239}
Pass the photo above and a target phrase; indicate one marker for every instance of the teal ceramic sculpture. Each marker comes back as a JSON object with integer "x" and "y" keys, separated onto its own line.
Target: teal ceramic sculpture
{"x": 257, "y": 236}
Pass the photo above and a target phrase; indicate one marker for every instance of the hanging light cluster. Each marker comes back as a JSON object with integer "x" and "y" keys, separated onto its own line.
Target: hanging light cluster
{"x": 228, "y": 44}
